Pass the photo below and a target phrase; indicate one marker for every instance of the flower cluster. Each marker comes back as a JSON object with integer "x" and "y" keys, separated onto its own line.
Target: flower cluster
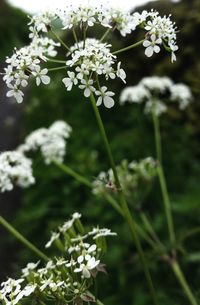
{"x": 15, "y": 168}
{"x": 160, "y": 31}
{"x": 51, "y": 141}
{"x": 154, "y": 91}
{"x": 90, "y": 58}
{"x": 88, "y": 16}
{"x": 135, "y": 178}
{"x": 65, "y": 279}
{"x": 26, "y": 62}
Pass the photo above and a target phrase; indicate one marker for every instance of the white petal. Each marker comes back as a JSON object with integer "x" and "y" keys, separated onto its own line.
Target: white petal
{"x": 149, "y": 51}
{"x": 10, "y": 93}
{"x": 19, "y": 97}
{"x": 146, "y": 43}
{"x": 108, "y": 102}
{"x": 86, "y": 273}
{"x": 156, "y": 49}
{"x": 80, "y": 259}
{"x": 99, "y": 101}
{"x": 38, "y": 81}
{"x": 87, "y": 92}
{"x": 45, "y": 79}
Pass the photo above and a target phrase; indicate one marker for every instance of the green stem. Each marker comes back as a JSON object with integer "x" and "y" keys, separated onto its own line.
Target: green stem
{"x": 57, "y": 68}
{"x": 57, "y": 61}
{"x": 151, "y": 230}
{"x": 61, "y": 41}
{"x": 183, "y": 282}
{"x": 75, "y": 36}
{"x": 190, "y": 233}
{"x": 74, "y": 174}
{"x": 87, "y": 183}
{"x": 22, "y": 239}
{"x": 129, "y": 47}
{"x": 114, "y": 203}
{"x": 105, "y": 34}
{"x": 124, "y": 205}
{"x": 162, "y": 180}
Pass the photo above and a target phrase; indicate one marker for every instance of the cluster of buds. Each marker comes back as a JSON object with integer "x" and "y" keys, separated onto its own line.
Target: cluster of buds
{"x": 135, "y": 178}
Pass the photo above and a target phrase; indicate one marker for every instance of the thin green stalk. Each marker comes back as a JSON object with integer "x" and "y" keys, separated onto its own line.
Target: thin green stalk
{"x": 190, "y": 233}
{"x": 151, "y": 230}
{"x": 74, "y": 174}
{"x": 183, "y": 282}
{"x": 162, "y": 180}
{"x": 114, "y": 203}
{"x": 61, "y": 41}
{"x": 57, "y": 68}
{"x": 129, "y": 47}
{"x": 57, "y": 61}
{"x": 22, "y": 239}
{"x": 75, "y": 36}
{"x": 105, "y": 34}
{"x": 87, "y": 183}
{"x": 124, "y": 205}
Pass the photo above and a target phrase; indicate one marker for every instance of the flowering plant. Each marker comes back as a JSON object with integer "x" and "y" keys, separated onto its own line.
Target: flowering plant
{"x": 88, "y": 63}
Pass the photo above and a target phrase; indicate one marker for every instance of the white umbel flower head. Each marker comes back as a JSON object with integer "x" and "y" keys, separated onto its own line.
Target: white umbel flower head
{"x": 154, "y": 92}
{"x": 51, "y": 141}
{"x": 15, "y": 168}
{"x": 182, "y": 94}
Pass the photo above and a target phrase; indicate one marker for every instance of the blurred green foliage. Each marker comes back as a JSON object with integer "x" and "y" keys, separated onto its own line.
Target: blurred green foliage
{"x": 55, "y": 196}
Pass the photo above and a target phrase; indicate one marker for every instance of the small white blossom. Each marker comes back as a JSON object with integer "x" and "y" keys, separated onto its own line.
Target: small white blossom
{"x": 15, "y": 92}
{"x": 87, "y": 86}
{"x": 105, "y": 97}
{"x": 152, "y": 45}
{"x": 41, "y": 76}
{"x": 54, "y": 237}
{"x": 97, "y": 232}
{"x": 86, "y": 264}
{"x": 70, "y": 81}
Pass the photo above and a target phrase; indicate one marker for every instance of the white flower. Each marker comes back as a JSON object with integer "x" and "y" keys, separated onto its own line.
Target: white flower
{"x": 96, "y": 232}
{"x": 155, "y": 106}
{"x": 76, "y": 215}
{"x": 15, "y": 168}
{"x": 70, "y": 81}
{"x": 51, "y": 141}
{"x": 15, "y": 92}
{"x": 87, "y": 86}
{"x": 152, "y": 89}
{"x": 105, "y": 97}
{"x": 152, "y": 45}
{"x": 86, "y": 264}
{"x": 41, "y": 76}
{"x": 121, "y": 73}
{"x": 182, "y": 94}
{"x": 29, "y": 268}
{"x": 156, "y": 84}
{"x": 134, "y": 94}
{"x": 54, "y": 237}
